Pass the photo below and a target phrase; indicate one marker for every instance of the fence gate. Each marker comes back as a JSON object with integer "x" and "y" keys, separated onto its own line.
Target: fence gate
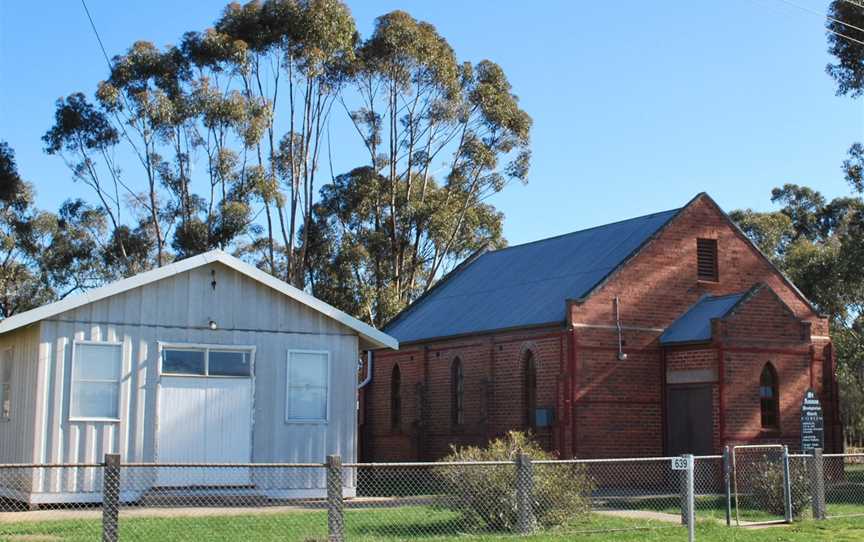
{"x": 759, "y": 484}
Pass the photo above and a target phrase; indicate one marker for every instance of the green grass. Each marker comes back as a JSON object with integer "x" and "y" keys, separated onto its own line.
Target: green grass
{"x": 415, "y": 524}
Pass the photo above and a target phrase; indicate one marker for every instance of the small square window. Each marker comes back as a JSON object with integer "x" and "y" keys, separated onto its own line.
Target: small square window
{"x": 706, "y": 260}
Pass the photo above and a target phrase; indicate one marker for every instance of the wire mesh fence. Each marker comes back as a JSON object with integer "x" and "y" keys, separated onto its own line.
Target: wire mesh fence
{"x": 418, "y": 501}
{"x": 843, "y": 477}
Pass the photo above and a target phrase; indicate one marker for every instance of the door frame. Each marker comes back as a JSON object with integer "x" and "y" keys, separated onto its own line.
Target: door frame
{"x": 161, "y": 345}
{"x": 668, "y": 388}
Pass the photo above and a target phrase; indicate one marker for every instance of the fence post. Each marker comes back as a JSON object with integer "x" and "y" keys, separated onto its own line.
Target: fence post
{"x": 727, "y": 483}
{"x": 691, "y": 498}
{"x": 335, "y": 519}
{"x": 817, "y": 483}
{"x": 524, "y": 494}
{"x": 787, "y": 487}
{"x": 682, "y": 492}
{"x": 110, "y": 497}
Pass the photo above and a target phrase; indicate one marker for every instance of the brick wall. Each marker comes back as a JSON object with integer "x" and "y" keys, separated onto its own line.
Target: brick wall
{"x": 660, "y": 282}
{"x": 606, "y": 407}
{"x": 494, "y": 393}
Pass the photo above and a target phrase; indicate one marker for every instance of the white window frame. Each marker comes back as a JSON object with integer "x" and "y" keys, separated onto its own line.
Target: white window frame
{"x": 326, "y": 418}
{"x": 75, "y": 346}
{"x": 8, "y": 384}
{"x": 206, "y": 348}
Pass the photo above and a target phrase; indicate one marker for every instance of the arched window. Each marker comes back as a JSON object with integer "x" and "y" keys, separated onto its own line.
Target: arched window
{"x": 769, "y": 398}
{"x": 457, "y": 393}
{"x": 530, "y": 390}
{"x": 396, "y": 399}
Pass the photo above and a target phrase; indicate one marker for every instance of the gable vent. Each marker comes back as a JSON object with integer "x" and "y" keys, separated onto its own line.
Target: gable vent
{"x": 706, "y": 259}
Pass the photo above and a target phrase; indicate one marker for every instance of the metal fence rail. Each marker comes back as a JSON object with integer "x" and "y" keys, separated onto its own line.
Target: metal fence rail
{"x": 403, "y": 501}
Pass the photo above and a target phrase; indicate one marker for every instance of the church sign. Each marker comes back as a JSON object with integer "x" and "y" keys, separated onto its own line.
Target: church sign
{"x": 812, "y": 423}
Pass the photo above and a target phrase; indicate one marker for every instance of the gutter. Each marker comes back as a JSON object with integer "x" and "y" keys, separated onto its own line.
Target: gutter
{"x": 368, "y": 379}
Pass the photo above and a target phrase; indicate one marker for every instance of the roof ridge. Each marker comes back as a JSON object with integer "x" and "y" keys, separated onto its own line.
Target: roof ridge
{"x": 649, "y": 215}
{"x": 187, "y": 264}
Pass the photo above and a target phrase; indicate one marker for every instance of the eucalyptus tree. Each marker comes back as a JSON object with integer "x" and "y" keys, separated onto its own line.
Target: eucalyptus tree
{"x": 819, "y": 244}
{"x": 845, "y": 21}
{"x": 143, "y": 94}
{"x": 422, "y": 115}
{"x": 306, "y": 46}
{"x": 86, "y": 139}
{"x": 45, "y": 256}
{"x": 254, "y": 97}
{"x": 20, "y": 288}
{"x": 845, "y": 24}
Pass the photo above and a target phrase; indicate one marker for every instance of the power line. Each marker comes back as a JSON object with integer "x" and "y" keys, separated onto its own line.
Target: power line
{"x": 810, "y": 10}
{"x": 96, "y": 32}
{"x": 844, "y": 36}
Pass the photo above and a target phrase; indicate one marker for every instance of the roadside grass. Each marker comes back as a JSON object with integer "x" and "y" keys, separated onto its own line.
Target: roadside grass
{"x": 417, "y": 523}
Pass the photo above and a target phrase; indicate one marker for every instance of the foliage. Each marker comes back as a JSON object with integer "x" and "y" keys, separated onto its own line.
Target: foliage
{"x": 45, "y": 256}
{"x": 819, "y": 244}
{"x": 486, "y": 495}
{"x": 846, "y": 18}
{"x": 215, "y": 98}
{"x": 418, "y": 106}
{"x": 767, "y": 486}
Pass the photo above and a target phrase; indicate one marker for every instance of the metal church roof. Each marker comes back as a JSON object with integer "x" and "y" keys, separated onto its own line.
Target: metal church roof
{"x": 695, "y": 324}
{"x": 524, "y": 285}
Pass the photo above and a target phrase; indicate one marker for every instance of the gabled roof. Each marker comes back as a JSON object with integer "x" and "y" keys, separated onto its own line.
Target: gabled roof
{"x": 367, "y": 332}
{"x": 695, "y": 324}
{"x": 527, "y": 284}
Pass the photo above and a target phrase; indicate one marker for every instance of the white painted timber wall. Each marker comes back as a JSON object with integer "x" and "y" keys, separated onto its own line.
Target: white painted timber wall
{"x": 177, "y": 310}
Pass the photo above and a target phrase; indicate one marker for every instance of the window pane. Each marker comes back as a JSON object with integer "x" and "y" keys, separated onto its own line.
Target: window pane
{"x": 308, "y": 369}
{"x": 5, "y": 400}
{"x": 97, "y": 362}
{"x": 188, "y": 362}
{"x": 6, "y": 366}
{"x": 229, "y": 363}
{"x": 307, "y": 386}
{"x": 94, "y": 400}
{"x": 307, "y": 403}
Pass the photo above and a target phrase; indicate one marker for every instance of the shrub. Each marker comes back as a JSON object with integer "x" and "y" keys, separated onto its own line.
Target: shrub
{"x": 767, "y": 486}
{"x": 486, "y": 494}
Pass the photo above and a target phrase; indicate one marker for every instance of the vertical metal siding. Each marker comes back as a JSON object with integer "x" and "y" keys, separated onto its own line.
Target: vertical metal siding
{"x": 178, "y": 309}
{"x": 16, "y": 435}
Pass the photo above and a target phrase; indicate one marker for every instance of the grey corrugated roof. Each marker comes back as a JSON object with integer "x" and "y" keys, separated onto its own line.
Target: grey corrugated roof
{"x": 526, "y": 284}
{"x": 695, "y": 324}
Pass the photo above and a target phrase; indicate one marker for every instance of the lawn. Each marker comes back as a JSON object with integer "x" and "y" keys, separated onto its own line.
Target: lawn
{"x": 412, "y": 523}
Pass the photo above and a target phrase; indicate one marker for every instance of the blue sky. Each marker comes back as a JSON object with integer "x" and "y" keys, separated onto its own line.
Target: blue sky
{"x": 637, "y": 105}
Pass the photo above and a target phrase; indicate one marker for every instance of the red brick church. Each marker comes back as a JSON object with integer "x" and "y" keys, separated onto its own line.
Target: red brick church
{"x": 664, "y": 334}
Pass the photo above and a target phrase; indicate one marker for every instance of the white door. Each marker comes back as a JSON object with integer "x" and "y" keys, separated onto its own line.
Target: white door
{"x": 204, "y": 419}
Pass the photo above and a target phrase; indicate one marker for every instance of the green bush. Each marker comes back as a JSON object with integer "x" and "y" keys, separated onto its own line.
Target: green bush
{"x": 767, "y": 487}
{"x": 486, "y": 494}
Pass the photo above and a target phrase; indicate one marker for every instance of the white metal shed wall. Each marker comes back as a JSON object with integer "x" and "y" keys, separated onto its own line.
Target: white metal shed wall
{"x": 178, "y": 309}
{"x": 16, "y": 434}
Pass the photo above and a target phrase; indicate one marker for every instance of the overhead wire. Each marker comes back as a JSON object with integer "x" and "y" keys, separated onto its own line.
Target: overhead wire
{"x": 832, "y": 19}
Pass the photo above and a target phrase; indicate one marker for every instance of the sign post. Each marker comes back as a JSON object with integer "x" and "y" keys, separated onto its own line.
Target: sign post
{"x": 812, "y": 424}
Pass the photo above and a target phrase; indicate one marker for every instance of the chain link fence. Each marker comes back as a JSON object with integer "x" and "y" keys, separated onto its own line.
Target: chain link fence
{"x": 843, "y": 478}
{"x": 413, "y": 501}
